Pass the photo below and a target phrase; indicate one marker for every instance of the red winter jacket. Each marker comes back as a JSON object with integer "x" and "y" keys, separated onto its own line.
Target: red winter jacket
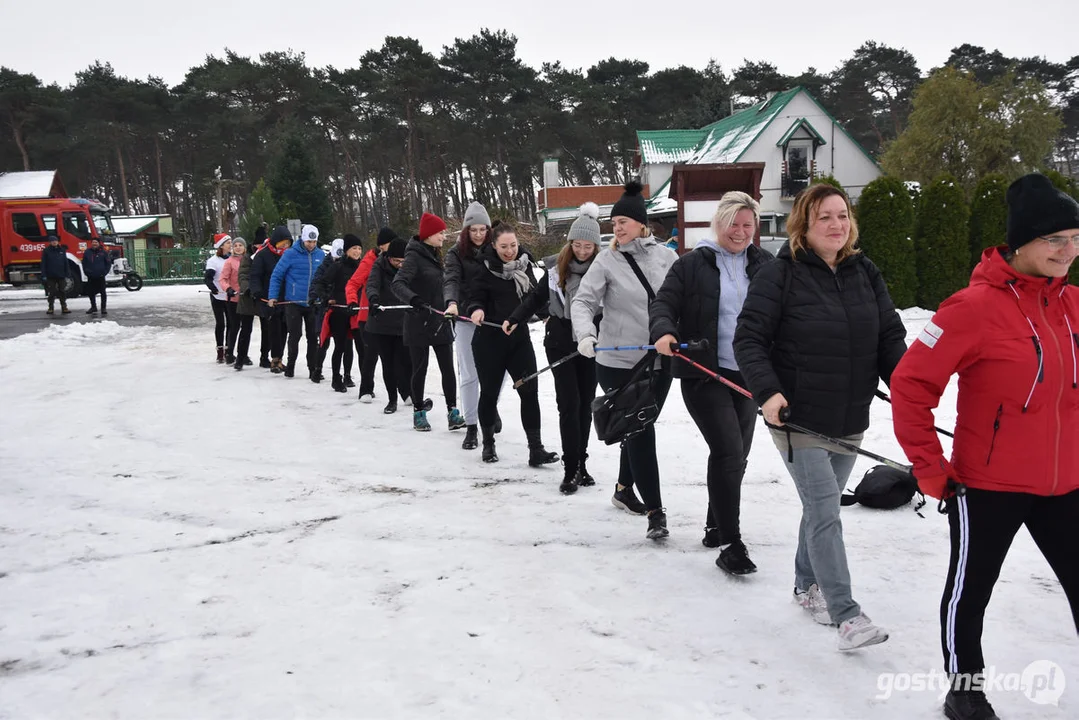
{"x": 1014, "y": 340}
{"x": 356, "y": 289}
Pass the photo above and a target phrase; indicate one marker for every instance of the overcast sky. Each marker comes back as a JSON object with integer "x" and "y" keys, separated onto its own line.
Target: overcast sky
{"x": 143, "y": 38}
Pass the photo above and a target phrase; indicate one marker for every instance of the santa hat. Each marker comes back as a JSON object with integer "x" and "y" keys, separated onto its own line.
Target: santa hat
{"x": 430, "y": 225}
{"x": 220, "y": 239}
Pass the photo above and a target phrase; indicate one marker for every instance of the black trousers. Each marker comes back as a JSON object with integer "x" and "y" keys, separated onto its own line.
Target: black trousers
{"x": 232, "y": 326}
{"x": 300, "y": 319}
{"x": 342, "y": 343}
{"x": 396, "y": 364}
{"x": 265, "y": 342}
{"x": 638, "y": 464}
{"x": 220, "y": 308}
{"x": 273, "y": 331}
{"x": 726, "y": 420}
{"x": 983, "y": 524}
{"x": 497, "y": 354}
{"x": 243, "y": 342}
{"x": 444, "y": 356}
{"x": 575, "y": 389}
{"x": 95, "y": 287}
{"x": 366, "y": 357}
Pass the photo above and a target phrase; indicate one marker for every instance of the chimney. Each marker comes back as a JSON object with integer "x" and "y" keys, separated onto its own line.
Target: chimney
{"x": 550, "y": 173}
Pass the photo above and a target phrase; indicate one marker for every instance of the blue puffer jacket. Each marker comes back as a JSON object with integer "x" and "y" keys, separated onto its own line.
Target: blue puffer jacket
{"x": 54, "y": 263}
{"x": 96, "y": 263}
{"x": 291, "y": 279}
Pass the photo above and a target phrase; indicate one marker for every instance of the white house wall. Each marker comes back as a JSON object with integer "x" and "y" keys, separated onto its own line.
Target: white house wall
{"x": 654, "y": 176}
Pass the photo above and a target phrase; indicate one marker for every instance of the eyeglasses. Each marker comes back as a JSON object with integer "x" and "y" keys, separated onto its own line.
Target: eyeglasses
{"x": 1058, "y": 241}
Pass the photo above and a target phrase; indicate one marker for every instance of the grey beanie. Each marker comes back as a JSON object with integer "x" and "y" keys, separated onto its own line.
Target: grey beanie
{"x": 476, "y": 214}
{"x": 586, "y": 226}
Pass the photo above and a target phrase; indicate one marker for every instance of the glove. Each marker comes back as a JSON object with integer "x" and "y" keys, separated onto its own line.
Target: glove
{"x": 353, "y": 309}
{"x": 935, "y": 484}
{"x": 587, "y": 347}
{"x": 230, "y": 293}
{"x": 372, "y": 309}
{"x": 418, "y": 303}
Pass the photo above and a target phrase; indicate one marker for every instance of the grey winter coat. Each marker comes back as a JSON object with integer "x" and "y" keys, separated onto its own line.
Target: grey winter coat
{"x": 611, "y": 285}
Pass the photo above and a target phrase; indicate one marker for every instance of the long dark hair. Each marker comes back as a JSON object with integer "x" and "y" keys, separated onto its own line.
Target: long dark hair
{"x": 465, "y": 247}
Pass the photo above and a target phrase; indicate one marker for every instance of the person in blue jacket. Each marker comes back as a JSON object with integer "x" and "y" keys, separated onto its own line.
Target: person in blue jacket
{"x": 291, "y": 283}
{"x": 96, "y": 264}
{"x": 55, "y": 271}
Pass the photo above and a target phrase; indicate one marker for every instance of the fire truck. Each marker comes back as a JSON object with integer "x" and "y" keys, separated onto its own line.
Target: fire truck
{"x": 27, "y": 222}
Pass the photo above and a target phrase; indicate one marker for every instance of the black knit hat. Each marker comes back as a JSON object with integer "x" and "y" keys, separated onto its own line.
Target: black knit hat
{"x": 397, "y": 248}
{"x": 385, "y": 235}
{"x": 260, "y": 234}
{"x": 631, "y": 204}
{"x": 352, "y": 241}
{"x": 1037, "y": 209}
{"x": 280, "y": 233}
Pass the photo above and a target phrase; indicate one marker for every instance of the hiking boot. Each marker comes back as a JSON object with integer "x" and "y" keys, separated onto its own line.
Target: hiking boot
{"x": 264, "y": 362}
{"x": 488, "y": 455}
{"x": 626, "y": 499}
{"x": 419, "y": 421}
{"x": 238, "y": 365}
{"x": 64, "y": 310}
{"x": 968, "y": 705}
{"x": 221, "y": 356}
{"x": 390, "y": 409}
{"x": 813, "y": 602}
{"x": 711, "y": 538}
{"x": 455, "y": 419}
{"x": 92, "y": 311}
{"x": 230, "y": 359}
{"x": 569, "y": 482}
{"x": 315, "y": 376}
{"x": 290, "y": 370}
{"x": 734, "y": 559}
{"x": 338, "y": 384}
{"x": 657, "y": 525}
{"x": 537, "y": 454}
{"x": 350, "y": 384}
{"x": 276, "y": 367}
{"x": 583, "y": 479}
{"x": 859, "y": 632}
{"x": 469, "y": 442}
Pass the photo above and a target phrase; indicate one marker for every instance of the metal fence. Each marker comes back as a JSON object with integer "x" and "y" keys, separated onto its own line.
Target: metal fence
{"x": 170, "y": 265}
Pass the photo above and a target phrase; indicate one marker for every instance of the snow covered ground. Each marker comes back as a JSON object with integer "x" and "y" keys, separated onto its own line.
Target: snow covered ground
{"x": 179, "y": 540}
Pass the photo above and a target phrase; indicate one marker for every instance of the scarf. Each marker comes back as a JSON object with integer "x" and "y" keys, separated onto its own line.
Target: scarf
{"x": 515, "y": 270}
{"x": 560, "y": 300}
{"x": 267, "y": 245}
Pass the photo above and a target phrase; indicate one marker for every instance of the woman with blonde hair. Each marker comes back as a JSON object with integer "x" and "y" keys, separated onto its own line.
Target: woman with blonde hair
{"x": 700, "y": 300}
{"x": 817, "y": 332}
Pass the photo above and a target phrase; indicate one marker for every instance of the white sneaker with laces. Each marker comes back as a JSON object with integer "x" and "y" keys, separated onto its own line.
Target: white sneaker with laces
{"x": 813, "y": 602}
{"x": 859, "y": 632}
{"x": 367, "y": 398}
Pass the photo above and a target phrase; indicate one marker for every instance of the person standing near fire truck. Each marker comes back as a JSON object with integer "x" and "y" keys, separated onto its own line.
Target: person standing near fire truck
{"x": 55, "y": 271}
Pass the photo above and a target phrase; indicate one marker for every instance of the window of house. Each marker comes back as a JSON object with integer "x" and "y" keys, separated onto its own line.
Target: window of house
{"x": 25, "y": 224}
{"x": 798, "y": 161}
{"x": 77, "y": 224}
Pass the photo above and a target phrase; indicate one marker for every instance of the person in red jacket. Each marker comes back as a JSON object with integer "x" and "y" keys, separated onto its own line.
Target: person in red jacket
{"x": 1012, "y": 336}
{"x": 356, "y": 294}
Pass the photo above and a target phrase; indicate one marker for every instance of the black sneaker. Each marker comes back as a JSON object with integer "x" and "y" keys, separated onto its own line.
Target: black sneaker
{"x": 711, "y": 538}
{"x": 657, "y": 525}
{"x": 247, "y": 360}
{"x": 230, "y": 359}
{"x": 489, "y": 455}
{"x": 470, "y": 442}
{"x": 391, "y": 408}
{"x": 968, "y": 705}
{"x": 316, "y": 376}
{"x": 338, "y": 385}
{"x": 264, "y": 362}
{"x": 92, "y": 311}
{"x": 569, "y": 482}
{"x": 290, "y": 371}
{"x": 626, "y": 499}
{"x": 734, "y": 559}
{"x": 103, "y": 313}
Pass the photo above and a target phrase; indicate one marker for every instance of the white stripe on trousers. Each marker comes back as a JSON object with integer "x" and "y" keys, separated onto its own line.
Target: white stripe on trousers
{"x": 957, "y": 582}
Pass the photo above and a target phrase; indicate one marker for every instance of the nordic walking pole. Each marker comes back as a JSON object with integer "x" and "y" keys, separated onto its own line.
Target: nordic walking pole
{"x": 463, "y": 319}
{"x": 884, "y": 396}
{"x": 552, "y": 366}
{"x": 695, "y": 345}
{"x": 785, "y": 413}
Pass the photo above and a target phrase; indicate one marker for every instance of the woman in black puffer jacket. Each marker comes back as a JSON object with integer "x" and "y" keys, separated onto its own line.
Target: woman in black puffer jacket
{"x": 329, "y": 288}
{"x": 817, "y": 332}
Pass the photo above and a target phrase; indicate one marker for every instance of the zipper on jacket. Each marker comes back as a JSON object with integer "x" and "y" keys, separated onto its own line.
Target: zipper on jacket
{"x": 1056, "y": 407}
{"x": 996, "y": 427}
{"x": 1041, "y": 360}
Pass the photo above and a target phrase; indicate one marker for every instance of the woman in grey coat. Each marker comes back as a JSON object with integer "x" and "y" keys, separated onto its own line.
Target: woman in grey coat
{"x": 612, "y": 284}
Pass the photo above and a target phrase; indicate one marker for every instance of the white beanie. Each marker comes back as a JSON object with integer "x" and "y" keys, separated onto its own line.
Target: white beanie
{"x": 308, "y": 232}
{"x": 337, "y": 247}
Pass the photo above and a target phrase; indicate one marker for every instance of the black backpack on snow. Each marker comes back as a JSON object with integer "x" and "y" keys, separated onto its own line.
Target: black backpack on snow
{"x": 884, "y": 488}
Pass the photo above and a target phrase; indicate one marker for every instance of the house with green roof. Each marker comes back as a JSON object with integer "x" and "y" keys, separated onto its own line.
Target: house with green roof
{"x": 790, "y": 132}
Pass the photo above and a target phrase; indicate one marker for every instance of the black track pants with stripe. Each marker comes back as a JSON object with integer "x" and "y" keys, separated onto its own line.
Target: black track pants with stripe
{"x": 983, "y": 524}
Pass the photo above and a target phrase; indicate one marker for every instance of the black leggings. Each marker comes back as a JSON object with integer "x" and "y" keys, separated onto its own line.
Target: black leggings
{"x": 220, "y": 308}
{"x": 496, "y": 354}
{"x": 342, "y": 343}
{"x": 232, "y": 326}
{"x": 243, "y": 345}
{"x": 726, "y": 420}
{"x": 302, "y": 319}
{"x": 638, "y": 464}
{"x": 367, "y": 358}
{"x": 396, "y": 364}
{"x": 273, "y": 332}
{"x": 575, "y": 389}
{"x": 420, "y": 357}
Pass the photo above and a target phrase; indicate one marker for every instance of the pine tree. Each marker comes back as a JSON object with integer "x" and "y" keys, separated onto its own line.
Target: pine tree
{"x": 988, "y": 215}
{"x": 294, "y": 180}
{"x": 885, "y": 226}
{"x": 827, "y": 180}
{"x": 942, "y": 242}
{"x": 260, "y": 209}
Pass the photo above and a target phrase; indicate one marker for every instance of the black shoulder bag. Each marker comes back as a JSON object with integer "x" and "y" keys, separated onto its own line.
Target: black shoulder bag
{"x": 630, "y": 409}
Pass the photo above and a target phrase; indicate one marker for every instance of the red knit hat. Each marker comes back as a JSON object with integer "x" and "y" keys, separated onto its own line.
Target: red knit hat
{"x": 430, "y": 225}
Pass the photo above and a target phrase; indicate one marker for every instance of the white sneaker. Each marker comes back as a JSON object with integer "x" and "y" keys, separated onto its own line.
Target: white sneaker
{"x": 859, "y": 632}
{"x": 813, "y": 602}
{"x": 367, "y": 398}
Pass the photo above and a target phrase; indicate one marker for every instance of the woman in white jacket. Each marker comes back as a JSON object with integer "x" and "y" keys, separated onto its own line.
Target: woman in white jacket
{"x": 612, "y": 283}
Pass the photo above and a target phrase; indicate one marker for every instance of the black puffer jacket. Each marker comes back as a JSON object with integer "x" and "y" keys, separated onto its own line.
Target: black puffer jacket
{"x": 262, "y": 267}
{"x": 54, "y": 263}
{"x": 380, "y": 292}
{"x": 496, "y": 296}
{"x": 825, "y": 344}
{"x": 461, "y": 272}
{"x": 421, "y": 276}
{"x": 329, "y": 283}
{"x": 687, "y": 305}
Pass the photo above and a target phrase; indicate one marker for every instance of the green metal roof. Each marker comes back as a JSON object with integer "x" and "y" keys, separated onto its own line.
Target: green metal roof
{"x": 801, "y": 123}
{"x": 668, "y": 146}
{"x": 729, "y": 138}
